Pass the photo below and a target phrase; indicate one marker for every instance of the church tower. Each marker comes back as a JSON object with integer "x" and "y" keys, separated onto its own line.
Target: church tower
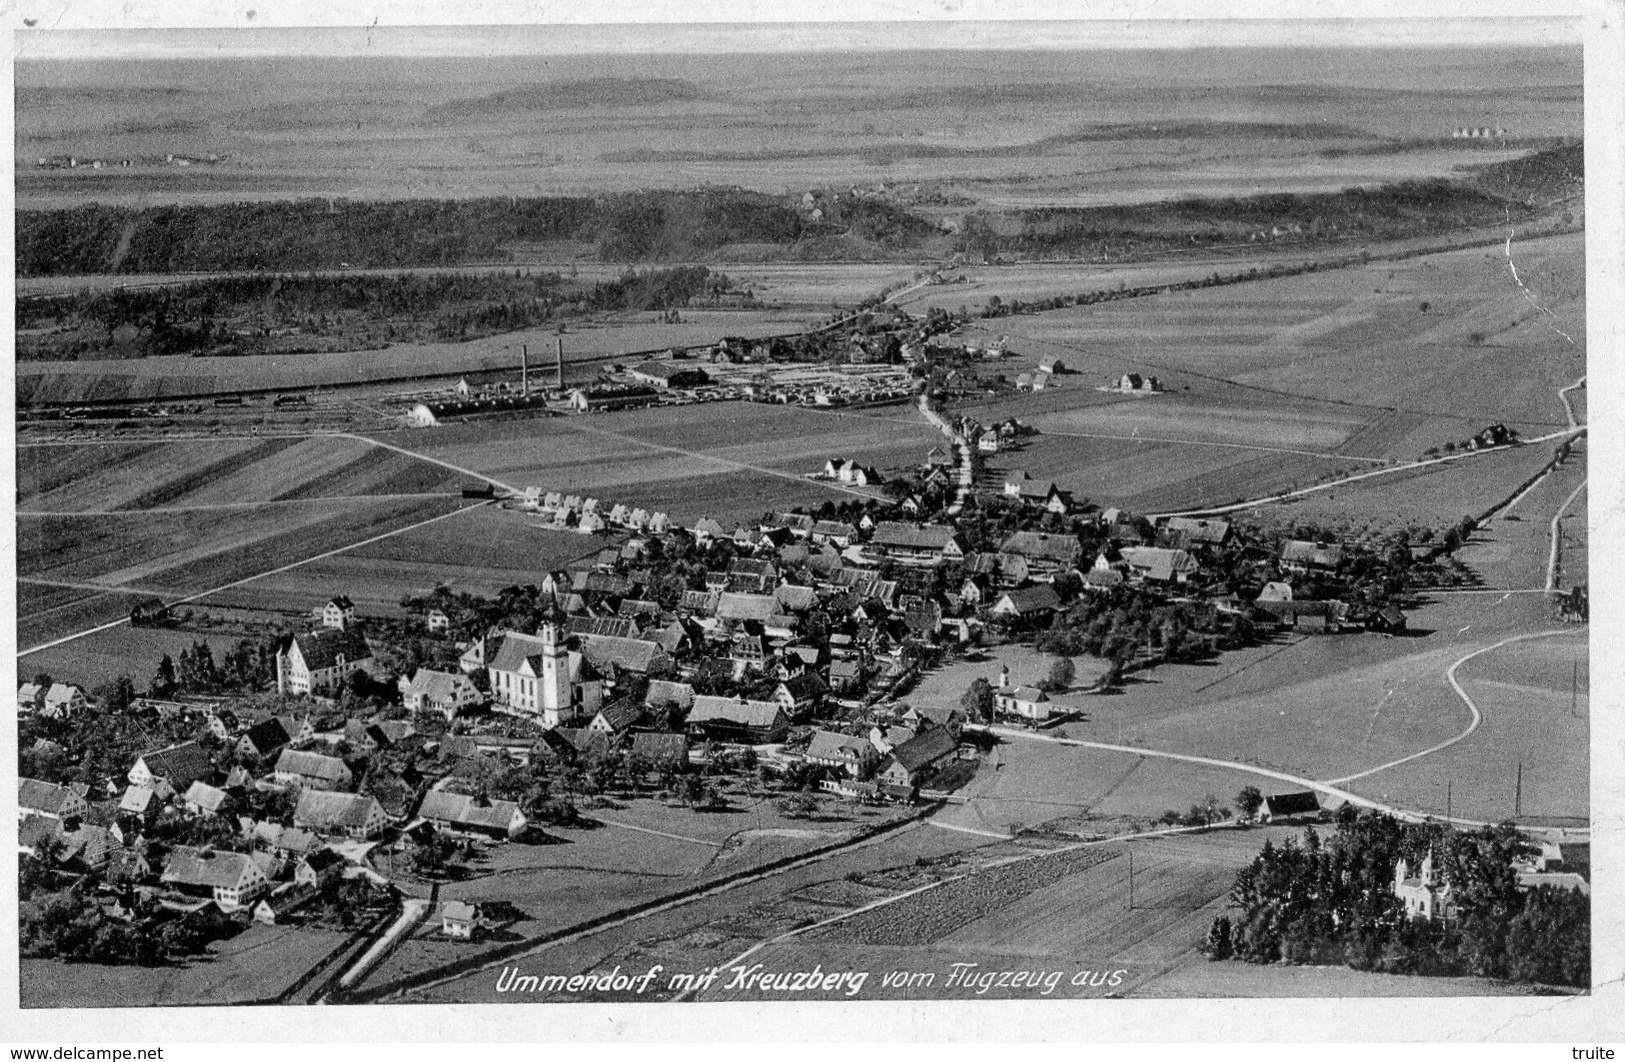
{"x": 554, "y": 695}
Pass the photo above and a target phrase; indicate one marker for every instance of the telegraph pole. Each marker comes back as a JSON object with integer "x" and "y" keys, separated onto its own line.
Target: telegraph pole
{"x": 1131, "y": 879}
{"x": 1517, "y": 794}
{"x": 1448, "y": 783}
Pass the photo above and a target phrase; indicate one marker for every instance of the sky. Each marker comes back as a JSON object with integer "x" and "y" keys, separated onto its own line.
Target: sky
{"x": 252, "y": 37}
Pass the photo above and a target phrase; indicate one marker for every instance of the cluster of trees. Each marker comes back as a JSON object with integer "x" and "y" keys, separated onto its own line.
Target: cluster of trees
{"x": 238, "y": 315}
{"x": 1406, "y": 208}
{"x": 247, "y": 667}
{"x": 1331, "y": 901}
{"x": 66, "y": 923}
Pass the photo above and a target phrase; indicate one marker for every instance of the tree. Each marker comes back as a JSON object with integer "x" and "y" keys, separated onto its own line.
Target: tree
{"x": 1219, "y": 944}
{"x": 1061, "y": 673}
{"x": 118, "y": 695}
{"x": 978, "y": 701}
{"x": 1248, "y": 801}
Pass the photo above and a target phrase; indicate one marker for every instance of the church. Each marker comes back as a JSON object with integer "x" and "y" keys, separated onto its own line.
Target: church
{"x": 535, "y": 675}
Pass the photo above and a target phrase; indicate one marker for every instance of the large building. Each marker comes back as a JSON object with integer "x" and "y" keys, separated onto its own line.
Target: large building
{"x": 535, "y": 675}
{"x": 318, "y": 662}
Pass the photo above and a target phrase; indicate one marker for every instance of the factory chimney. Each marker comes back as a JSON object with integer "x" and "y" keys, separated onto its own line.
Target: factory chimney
{"x": 524, "y": 370}
{"x": 559, "y": 372}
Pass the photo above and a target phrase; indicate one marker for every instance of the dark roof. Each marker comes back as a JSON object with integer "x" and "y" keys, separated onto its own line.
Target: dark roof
{"x": 1034, "y": 598}
{"x": 1036, "y": 544}
{"x": 321, "y": 649}
{"x": 631, "y": 654}
{"x": 267, "y": 737}
{"x": 929, "y": 747}
{"x": 180, "y": 764}
{"x": 1292, "y": 803}
{"x": 889, "y": 533}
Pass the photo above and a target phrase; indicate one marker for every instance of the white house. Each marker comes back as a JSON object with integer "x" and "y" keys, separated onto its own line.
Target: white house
{"x": 231, "y": 879}
{"x": 63, "y": 701}
{"x": 318, "y": 662}
{"x": 438, "y": 691}
{"x": 338, "y": 613}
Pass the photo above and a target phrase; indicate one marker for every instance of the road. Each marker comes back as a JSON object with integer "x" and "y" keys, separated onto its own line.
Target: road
{"x": 967, "y": 472}
{"x": 1556, "y": 533}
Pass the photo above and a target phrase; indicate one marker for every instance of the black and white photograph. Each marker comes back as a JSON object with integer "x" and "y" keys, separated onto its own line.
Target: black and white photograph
{"x": 921, "y": 511}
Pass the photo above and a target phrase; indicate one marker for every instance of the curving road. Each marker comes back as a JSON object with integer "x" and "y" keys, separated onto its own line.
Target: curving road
{"x": 1332, "y": 787}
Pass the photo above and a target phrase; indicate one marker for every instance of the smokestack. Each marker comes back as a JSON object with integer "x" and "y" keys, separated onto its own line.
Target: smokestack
{"x": 559, "y": 378}
{"x": 524, "y": 370}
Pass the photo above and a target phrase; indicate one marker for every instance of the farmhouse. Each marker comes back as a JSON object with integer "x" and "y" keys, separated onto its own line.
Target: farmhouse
{"x": 914, "y": 760}
{"x": 495, "y": 818}
{"x": 1299, "y": 556}
{"x": 916, "y": 544}
{"x": 1046, "y": 555}
{"x": 53, "y": 801}
{"x": 264, "y": 739}
{"x": 1159, "y": 565}
{"x": 30, "y": 697}
{"x": 316, "y": 663}
{"x": 1183, "y": 532}
{"x": 438, "y": 691}
{"x": 1027, "y": 602}
{"x": 232, "y": 880}
{"x": 176, "y": 767}
{"x": 855, "y": 755}
{"x": 354, "y": 815}
{"x": 311, "y": 770}
{"x": 62, "y": 701}
{"x": 738, "y": 719}
{"x": 1290, "y": 807}
{"x": 204, "y": 799}
{"x": 924, "y": 716}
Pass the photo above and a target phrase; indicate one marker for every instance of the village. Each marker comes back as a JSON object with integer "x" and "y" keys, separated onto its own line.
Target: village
{"x": 683, "y": 665}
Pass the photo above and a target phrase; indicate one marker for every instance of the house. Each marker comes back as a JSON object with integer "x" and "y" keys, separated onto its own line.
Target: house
{"x": 436, "y": 621}
{"x": 706, "y": 530}
{"x": 1305, "y": 617}
{"x": 1027, "y": 602}
{"x": 949, "y": 717}
{"x": 845, "y": 675}
{"x": 534, "y": 675}
{"x": 264, "y": 739}
{"x": 1182, "y": 532}
{"x": 638, "y": 655}
{"x": 86, "y": 847}
{"x": 355, "y": 815}
{"x": 1387, "y": 620}
{"x": 1051, "y": 364}
{"x": 53, "y": 801}
{"x": 30, "y": 697}
{"x": 231, "y": 879}
{"x": 856, "y": 756}
{"x": 1159, "y": 565}
{"x": 458, "y": 811}
{"x": 916, "y": 543}
{"x": 661, "y": 751}
{"x": 914, "y": 760}
{"x": 62, "y": 701}
{"x": 338, "y": 613}
{"x": 317, "y": 868}
{"x": 1290, "y": 807}
{"x": 438, "y": 691}
{"x": 311, "y": 770}
{"x": 834, "y": 533}
{"x": 1045, "y": 555}
{"x": 1299, "y": 556}
{"x": 738, "y": 719}
{"x": 801, "y": 694}
{"x": 988, "y": 441}
{"x": 1425, "y": 895}
{"x": 140, "y": 801}
{"x": 667, "y": 695}
{"x": 204, "y": 799}
{"x": 749, "y": 575}
{"x": 615, "y": 720}
{"x": 177, "y": 767}
{"x": 318, "y": 662}
{"x": 459, "y": 920}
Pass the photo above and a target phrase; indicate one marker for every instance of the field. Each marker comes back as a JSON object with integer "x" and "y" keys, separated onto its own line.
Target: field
{"x": 256, "y": 965}
{"x": 591, "y": 124}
